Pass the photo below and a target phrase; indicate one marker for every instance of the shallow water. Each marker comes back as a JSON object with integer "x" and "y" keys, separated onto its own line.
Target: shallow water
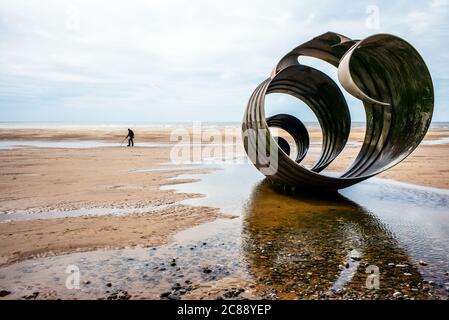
{"x": 84, "y": 144}
{"x": 386, "y": 221}
{"x": 55, "y": 214}
{"x": 290, "y": 246}
{"x": 65, "y": 144}
{"x": 439, "y": 141}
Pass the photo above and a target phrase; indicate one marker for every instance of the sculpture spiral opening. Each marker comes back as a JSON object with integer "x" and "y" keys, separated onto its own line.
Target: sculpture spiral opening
{"x": 383, "y": 71}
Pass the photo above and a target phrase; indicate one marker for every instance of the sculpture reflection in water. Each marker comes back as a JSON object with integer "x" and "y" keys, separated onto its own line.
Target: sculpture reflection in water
{"x": 303, "y": 247}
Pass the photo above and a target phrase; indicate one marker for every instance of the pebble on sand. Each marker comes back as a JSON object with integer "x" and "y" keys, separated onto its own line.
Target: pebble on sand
{"x": 4, "y": 293}
{"x": 422, "y": 262}
{"x": 173, "y": 296}
{"x": 207, "y": 269}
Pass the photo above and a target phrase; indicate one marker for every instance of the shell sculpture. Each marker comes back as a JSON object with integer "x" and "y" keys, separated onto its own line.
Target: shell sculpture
{"x": 385, "y": 72}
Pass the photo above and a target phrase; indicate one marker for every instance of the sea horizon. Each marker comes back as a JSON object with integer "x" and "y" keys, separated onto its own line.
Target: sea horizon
{"x": 158, "y": 124}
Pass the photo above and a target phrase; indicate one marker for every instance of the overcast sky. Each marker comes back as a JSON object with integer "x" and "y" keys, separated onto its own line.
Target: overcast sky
{"x": 174, "y": 60}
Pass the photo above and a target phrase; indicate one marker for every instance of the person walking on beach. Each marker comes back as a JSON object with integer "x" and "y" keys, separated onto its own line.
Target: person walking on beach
{"x": 130, "y": 137}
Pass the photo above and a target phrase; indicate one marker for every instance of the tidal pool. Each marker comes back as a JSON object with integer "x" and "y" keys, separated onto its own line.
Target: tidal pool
{"x": 287, "y": 245}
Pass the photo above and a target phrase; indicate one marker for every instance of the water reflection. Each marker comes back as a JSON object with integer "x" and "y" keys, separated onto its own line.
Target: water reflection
{"x": 301, "y": 247}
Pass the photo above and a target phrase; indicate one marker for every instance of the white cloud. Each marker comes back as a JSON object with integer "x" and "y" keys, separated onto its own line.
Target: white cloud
{"x": 173, "y": 58}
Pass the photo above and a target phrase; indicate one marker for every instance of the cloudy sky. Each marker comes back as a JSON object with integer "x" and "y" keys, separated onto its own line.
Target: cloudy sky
{"x": 174, "y": 60}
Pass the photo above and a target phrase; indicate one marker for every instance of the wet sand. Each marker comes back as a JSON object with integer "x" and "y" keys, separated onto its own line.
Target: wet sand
{"x": 46, "y": 180}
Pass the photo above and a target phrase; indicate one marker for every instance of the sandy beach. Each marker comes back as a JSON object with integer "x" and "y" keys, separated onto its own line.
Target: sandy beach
{"x": 79, "y": 185}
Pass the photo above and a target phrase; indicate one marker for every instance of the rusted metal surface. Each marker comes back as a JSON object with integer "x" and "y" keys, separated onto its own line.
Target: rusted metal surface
{"x": 383, "y": 71}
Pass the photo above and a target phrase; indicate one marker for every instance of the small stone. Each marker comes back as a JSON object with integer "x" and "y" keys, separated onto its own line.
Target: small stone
{"x": 206, "y": 269}
{"x": 268, "y": 283}
{"x": 123, "y": 295}
{"x": 119, "y": 295}
{"x": 109, "y": 284}
{"x": 422, "y": 262}
{"x": 347, "y": 265}
{"x": 391, "y": 264}
{"x": 397, "y": 295}
{"x": 173, "y": 296}
{"x": 86, "y": 282}
{"x": 177, "y": 286}
{"x": 4, "y": 293}
{"x": 231, "y": 294}
{"x": 407, "y": 274}
{"x": 355, "y": 255}
{"x": 401, "y": 266}
{"x": 31, "y": 296}
{"x": 165, "y": 294}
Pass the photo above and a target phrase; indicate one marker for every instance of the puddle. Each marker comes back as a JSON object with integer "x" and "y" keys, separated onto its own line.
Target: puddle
{"x": 83, "y": 144}
{"x": 16, "y": 144}
{"x": 438, "y": 141}
{"x": 54, "y": 214}
{"x": 290, "y": 246}
{"x": 167, "y": 169}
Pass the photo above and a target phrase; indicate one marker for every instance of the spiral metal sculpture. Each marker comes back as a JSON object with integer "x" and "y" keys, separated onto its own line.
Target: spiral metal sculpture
{"x": 385, "y": 72}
